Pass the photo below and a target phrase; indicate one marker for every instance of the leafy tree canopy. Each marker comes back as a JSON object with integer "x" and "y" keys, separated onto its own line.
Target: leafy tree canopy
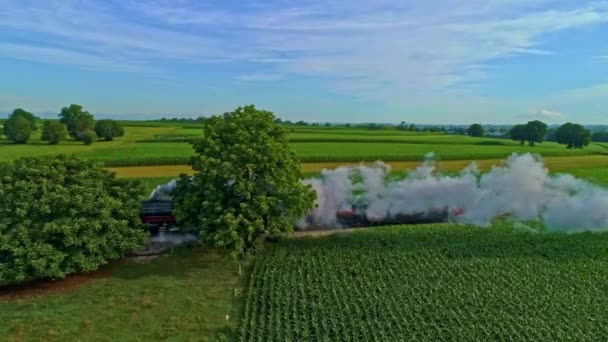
{"x": 19, "y": 126}
{"x": 573, "y": 135}
{"x": 78, "y": 120}
{"x": 61, "y": 215}
{"x": 532, "y": 132}
{"x": 246, "y": 181}
{"x": 88, "y": 137}
{"x": 475, "y": 130}
{"x": 54, "y": 132}
{"x": 601, "y": 136}
{"x": 109, "y": 129}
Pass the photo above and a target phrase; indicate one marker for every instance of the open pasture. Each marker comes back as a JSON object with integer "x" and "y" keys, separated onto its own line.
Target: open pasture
{"x": 430, "y": 282}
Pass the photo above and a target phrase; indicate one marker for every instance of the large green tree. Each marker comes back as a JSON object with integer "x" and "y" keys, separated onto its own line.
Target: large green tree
{"x": 246, "y": 182}
{"x": 19, "y": 126}
{"x": 77, "y": 120}
{"x": 475, "y": 130}
{"x": 60, "y": 215}
{"x": 532, "y": 132}
{"x": 109, "y": 129}
{"x": 53, "y": 132}
{"x": 573, "y": 135}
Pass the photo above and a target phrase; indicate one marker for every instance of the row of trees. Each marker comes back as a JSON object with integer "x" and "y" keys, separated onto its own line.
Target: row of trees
{"x": 73, "y": 121}
{"x": 569, "y": 134}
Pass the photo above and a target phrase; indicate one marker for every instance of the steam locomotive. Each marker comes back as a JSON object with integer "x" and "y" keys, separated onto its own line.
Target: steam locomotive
{"x": 158, "y": 214}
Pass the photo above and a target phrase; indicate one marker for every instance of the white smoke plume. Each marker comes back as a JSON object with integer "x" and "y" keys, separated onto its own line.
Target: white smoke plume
{"x": 521, "y": 188}
{"x": 163, "y": 191}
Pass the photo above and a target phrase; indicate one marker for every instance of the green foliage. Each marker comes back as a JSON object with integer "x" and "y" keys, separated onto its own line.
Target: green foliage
{"x": 601, "y": 136}
{"x": 31, "y": 118}
{"x": 430, "y": 283}
{"x": 109, "y": 129}
{"x": 53, "y": 132}
{"x": 77, "y": 120}
{"x": 532, "y": 132}
{"x": 61, "y": 215}
{"x": 573, "y": 135}
{"x": 475, "y": 130}
{"x": 19, "y": 126}
{"x": 246, "y": 182}
{"x": 88, "y": 137}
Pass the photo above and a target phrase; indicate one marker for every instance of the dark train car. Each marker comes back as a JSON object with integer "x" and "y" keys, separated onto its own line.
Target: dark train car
{"x": 157, "y": 213}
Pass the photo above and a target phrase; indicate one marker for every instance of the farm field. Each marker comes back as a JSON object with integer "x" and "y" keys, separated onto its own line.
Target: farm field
{"x": 185, "y": 296}
{"x": 431, "y": 282}
{"x": 160, "y": 144}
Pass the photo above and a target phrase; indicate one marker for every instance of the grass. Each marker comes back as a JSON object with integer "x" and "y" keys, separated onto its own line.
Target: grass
{"x": 431, "y": 282}
{"x": 185, "y": 296}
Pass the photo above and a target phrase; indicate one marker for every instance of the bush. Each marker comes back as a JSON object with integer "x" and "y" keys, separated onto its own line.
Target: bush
{"x": 246, "y": 182}
{"x": 53, "y": 132}
{"x": 19, "y": 126}
{"x": 109, "y": 129}
{"x": 88, "y": 137}
{"x": 61, "y": 215}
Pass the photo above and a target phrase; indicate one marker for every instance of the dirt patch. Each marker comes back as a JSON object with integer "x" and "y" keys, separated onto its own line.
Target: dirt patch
{"x": 49, "y": 286}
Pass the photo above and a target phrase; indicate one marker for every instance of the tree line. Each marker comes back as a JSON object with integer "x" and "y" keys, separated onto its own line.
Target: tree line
{"x": 570, "y": 134}
{"x": 73, "y": 121}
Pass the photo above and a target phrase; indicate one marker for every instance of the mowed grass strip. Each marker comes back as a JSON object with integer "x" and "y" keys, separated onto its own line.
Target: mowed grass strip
{"x": 431, "y": 282}
{"x": 190, "y": 295}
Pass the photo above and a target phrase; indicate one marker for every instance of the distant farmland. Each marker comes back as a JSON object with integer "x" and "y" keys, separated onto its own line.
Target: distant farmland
{"x": 151, "y": 143}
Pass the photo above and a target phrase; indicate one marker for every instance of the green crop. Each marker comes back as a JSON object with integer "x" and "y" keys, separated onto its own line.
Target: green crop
{"x": 431, "y": 282}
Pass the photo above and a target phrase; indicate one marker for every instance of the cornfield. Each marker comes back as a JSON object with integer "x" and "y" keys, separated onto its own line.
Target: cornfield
{"x": 431, "y": 282}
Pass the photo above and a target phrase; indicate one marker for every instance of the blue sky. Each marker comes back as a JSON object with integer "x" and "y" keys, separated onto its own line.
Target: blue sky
{"x": 443, "y": 61}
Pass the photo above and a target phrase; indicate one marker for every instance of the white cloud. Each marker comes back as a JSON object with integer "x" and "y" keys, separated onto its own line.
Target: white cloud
{"x": 543, "y": 114}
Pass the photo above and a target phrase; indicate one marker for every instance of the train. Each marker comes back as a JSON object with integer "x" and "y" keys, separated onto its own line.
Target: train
{"x": 157, "y": 214}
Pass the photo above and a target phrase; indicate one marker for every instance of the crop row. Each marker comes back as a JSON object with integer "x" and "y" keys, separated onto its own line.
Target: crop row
{"x": 432, "y": 282}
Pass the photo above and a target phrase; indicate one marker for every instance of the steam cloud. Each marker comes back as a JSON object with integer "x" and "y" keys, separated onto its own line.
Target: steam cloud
{"x": 522, "y": 188}
{"x": 163, "y": 191}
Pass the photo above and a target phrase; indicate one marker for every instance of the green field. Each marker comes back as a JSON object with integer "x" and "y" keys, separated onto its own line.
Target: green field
{"x": 154, "y": 143}
{"x": 433, "y": 283}
{"x": 185, "y": 296}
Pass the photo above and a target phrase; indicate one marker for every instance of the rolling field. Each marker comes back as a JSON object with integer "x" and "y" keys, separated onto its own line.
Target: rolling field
{"x": 160, "y": 144}
{"x": 431, "y": 282}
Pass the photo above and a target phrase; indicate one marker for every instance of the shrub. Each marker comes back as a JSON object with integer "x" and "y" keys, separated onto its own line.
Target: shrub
{"x": 109, "y": 129}
{"x": 88, "y": 137}
{"x": 53, "y": 132}
{"x": 61, "y": 215}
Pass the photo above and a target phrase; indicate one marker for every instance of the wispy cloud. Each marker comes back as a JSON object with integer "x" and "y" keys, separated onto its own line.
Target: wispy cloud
{"x": 259, "y": 77}
{"x": 544, "y": 114}
{"x": 373, "y": 50}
